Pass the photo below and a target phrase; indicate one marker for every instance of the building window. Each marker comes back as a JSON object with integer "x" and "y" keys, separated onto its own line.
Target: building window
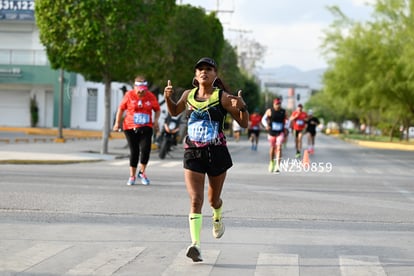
{"x": 92, "y": 105}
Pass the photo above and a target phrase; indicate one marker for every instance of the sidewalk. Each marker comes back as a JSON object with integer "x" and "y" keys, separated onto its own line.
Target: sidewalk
{"x": 39, "y": 146}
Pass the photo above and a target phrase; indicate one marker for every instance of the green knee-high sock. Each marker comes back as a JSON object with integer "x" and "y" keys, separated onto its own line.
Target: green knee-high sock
{"x": 217, "y": 213}
{"x": 195, "y": 221}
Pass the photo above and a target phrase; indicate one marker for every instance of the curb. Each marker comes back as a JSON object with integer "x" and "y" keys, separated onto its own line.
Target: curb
{"x": 68, "y": 134}
{"x": 45, "y": 162}
{"x": 381, "y": 145}
{"x": 54, "y": 131}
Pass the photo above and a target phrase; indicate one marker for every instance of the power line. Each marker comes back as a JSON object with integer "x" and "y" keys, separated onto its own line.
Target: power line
{"x": 239, "y": 30}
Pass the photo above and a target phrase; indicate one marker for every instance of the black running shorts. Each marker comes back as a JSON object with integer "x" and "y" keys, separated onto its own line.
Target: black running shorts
{"x": 212, "y": 160}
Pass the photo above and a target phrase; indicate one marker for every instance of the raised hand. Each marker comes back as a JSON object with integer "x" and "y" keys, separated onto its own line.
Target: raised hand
{"x": 168, "y": 90}
{"x": 237, "y": 101}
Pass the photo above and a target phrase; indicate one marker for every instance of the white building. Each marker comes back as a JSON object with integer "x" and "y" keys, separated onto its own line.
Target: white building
{"x": 26, "y": 75}
{"x": 87, "y": 103}
{"x": 293, "y": 85}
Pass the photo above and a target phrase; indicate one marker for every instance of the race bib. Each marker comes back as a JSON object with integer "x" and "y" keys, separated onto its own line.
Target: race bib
{"x": 300, "y": 122}
{"x": 276, "y": 126}
{"x": 203, "y": 131}
{"x": 141, "y": 118}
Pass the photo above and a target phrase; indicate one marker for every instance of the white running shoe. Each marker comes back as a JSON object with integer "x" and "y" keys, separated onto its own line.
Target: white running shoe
{"x": 144, "y": 179}
{"x": 218, "y": 228}
{"x": 131, "y": 181}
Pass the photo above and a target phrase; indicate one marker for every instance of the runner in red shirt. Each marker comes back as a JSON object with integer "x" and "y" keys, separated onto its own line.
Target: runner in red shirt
{"x": 298, "y": 119}
{"x": 253, "y": 131}
{"x": 138, "y": 126}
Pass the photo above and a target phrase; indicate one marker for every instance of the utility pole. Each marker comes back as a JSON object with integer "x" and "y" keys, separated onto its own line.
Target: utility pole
{"x": 218, "y": 10}
{"x": 242, "y": 50}
{"x": 240, "y": 32}
{"x": 223, "y": 11}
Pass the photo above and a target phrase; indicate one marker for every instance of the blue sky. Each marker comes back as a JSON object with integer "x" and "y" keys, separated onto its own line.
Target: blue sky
{"x": 291, "y": 30}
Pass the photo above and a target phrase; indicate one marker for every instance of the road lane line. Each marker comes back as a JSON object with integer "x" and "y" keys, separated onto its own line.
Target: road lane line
{"x": 360, "y": 266}
{"x": 277, "y": 264}
{"x": 28, "y": 258}
{"x": 106, "y": 262}
{"x": 185, "y": 266}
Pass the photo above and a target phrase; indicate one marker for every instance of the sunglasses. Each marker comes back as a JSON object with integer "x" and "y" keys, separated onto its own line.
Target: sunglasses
{"x": 141, "y": 83}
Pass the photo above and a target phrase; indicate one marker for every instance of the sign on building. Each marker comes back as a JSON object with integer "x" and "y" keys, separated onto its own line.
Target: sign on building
{"x": 17, "y": 10}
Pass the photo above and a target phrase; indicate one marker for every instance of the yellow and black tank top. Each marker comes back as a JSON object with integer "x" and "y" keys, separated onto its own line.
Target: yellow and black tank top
{"x": 205, "y": 120}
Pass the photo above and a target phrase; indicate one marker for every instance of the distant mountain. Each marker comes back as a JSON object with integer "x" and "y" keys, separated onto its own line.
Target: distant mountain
{"x": 291, "y": 74}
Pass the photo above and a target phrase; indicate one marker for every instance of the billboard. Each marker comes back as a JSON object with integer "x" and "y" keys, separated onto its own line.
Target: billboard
{"x": 17, "y": 10}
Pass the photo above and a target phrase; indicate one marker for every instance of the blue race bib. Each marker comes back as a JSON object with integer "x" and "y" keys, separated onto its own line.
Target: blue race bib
{"x": 277, "y": 126}
{"x": 203, "y": 131}
{"x": 141, "y": 118}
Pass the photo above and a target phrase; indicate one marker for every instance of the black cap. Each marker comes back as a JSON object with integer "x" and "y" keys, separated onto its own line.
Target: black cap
{"x": 206, "y": 60}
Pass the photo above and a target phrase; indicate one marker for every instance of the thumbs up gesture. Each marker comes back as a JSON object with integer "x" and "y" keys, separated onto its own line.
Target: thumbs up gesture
{"x": 237, "y": 101}
{"x": 168, "y": 90}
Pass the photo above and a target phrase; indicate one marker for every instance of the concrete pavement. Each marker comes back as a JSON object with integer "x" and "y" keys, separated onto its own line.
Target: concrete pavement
{"x": 39, "y": 145}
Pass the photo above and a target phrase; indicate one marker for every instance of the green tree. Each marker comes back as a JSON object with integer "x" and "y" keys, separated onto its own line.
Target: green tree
{"x": 251, "y": 94}
{"x": 104, "y": 41}
{"x": 229, "y": 71}
{"x": 236, "y": 80}
{"x": 370, "y": 64}
{"x": 191, "y": 34}
{"x": 186, "y": 43}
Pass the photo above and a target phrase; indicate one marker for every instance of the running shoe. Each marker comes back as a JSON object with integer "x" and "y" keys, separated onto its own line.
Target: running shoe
{"x": 297, "y": 155}
{"x": 276, "y": 171}
{"x": 131, "y": 181}
{"x": 218, "y": 228}
{"x": 144, "y": 179}
{"x": 272, "y": 165}
{"x": 194, "y": 253}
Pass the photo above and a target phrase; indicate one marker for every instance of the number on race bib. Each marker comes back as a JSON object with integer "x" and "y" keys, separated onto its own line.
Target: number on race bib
{"x": 276, "y": 126}
{"x": 203, "y": 131}
{"x": 141, "y": 118}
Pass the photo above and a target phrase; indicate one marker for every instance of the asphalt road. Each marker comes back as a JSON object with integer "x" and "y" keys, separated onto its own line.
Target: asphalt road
{"x": 351, "y": 212}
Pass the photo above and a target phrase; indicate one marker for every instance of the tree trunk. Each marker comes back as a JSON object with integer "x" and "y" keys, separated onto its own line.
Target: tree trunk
{"x": 107, "y": 119}
{"x": 393, "y": 128}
